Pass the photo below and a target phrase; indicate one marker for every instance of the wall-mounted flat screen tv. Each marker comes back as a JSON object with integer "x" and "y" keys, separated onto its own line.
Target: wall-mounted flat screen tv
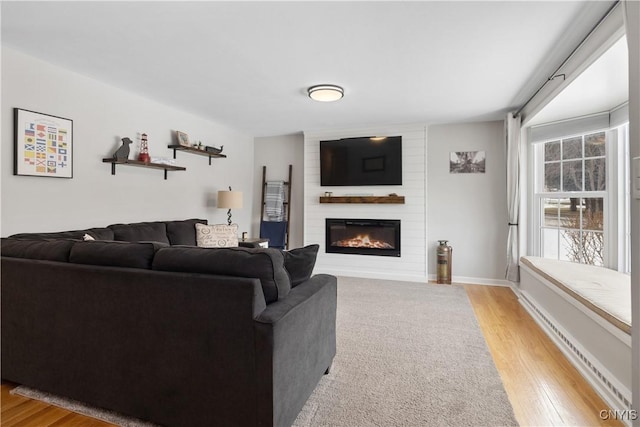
{"x": 361, "y": 161}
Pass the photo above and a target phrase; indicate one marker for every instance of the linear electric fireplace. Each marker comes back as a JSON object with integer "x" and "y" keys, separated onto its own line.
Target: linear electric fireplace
{"x": 363, "y": 236}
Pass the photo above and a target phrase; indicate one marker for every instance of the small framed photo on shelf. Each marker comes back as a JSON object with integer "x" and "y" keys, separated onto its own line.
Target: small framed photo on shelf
{"x": 183, "y": 139}
{"x": 43, "y": 145}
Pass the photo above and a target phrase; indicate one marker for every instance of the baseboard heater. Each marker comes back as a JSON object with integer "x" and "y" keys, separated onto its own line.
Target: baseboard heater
{"x": 578, "y": 354}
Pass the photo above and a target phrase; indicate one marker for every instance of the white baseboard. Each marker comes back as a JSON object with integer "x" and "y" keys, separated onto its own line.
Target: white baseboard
{"x": 395, "y": 275}
{"x": 392, "y": 275}
{"x": 475, "y": 281}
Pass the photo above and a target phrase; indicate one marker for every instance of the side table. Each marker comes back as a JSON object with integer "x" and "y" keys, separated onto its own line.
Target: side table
{"x": 256, "y": 242}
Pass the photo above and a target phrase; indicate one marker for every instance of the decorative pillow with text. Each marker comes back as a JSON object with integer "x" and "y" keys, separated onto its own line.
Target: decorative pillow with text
{"x": 217, "y": 235}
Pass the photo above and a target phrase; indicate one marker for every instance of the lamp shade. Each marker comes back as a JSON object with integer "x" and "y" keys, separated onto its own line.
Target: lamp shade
{"x": 230, "y": 199}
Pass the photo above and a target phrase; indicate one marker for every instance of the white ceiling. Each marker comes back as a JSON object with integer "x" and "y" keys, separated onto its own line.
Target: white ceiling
{"x": 601, "y": 87}
{"x": 247, "y": 64}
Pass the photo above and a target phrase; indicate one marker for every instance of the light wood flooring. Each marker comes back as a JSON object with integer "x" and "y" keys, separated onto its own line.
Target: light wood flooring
{"x": 543, "y": 387}
{"x": 20, "y": 411}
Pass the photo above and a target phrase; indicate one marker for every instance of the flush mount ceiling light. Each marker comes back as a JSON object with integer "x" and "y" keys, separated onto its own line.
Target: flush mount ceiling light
{"x": 325, "y": 93}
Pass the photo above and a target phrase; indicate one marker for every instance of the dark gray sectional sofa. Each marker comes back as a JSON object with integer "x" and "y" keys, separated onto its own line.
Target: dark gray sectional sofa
{"x": 144, "y": 323}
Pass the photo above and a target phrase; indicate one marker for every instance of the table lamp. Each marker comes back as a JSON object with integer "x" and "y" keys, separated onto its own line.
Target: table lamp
{"x": 229, "y": 200}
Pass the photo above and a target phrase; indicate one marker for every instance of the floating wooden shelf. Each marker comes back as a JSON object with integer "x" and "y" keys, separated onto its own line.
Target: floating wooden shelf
{"x": 166, "y": 168}
{"x": 176, "y": 147}
{"x": 364, "y": 199}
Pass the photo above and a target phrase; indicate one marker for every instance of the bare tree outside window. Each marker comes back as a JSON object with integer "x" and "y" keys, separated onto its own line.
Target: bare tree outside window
{"x": 583, "y": 233}
{"x": 552, "y": 151}
{"x": 572, "y": 175}
{"x": 572, "y": 167}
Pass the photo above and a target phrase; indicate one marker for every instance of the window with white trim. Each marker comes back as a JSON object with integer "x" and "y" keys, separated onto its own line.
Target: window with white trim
{"x": 579, "y": 190}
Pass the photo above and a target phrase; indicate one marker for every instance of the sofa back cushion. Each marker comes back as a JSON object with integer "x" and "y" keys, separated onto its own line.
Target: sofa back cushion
{"x": 183, "y": 232}
{"x": 48, "y": 250}
{"x": 115, "y": 254}
{"x": 140, "y": 232}
{"x": 96, "y": 233}
{"x": 262, "y": 263}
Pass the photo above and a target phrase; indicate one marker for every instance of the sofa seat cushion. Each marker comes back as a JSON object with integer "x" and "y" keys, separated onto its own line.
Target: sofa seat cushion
{"x": 115, "y": 254}
{"x": 96, "y": 233}
{"x": 183, "y": 232}
{"x": 48, "y": 250}
{"x": 140, "y": 232}
{"x": 265, "y": 264}
{"x": 299, "y": 263}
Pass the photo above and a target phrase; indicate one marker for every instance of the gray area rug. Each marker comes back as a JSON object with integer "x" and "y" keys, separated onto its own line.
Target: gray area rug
{"x": 409, "y": 354}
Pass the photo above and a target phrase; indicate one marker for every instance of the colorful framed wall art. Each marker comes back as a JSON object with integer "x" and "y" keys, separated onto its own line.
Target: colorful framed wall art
{"x": 43, "y": 145}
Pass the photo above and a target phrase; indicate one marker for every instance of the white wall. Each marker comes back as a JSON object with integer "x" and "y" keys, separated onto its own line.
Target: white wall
{"x": 277, "y": 153}
{"x": 412, "y": 263}
{"x": 469, "y": 210}
{"x": 632, "y": 10}
{"x": 102, "y": 115}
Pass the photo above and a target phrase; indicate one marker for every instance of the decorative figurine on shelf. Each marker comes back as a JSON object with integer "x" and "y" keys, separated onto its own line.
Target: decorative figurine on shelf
{"x": 214, "y": 150}
{"x": 144, "y": 149}
{"x": 122, "y": 153}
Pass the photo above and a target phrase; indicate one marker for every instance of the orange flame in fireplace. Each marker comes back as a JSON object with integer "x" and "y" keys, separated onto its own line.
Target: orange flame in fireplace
{"x": 362, "y": 241}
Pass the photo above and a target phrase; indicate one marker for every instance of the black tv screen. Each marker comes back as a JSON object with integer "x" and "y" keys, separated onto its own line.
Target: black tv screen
{"x": 361, "y": 161}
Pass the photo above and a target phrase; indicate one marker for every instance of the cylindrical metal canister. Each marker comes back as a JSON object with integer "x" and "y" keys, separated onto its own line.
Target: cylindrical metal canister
{"x": 444, "y": 254}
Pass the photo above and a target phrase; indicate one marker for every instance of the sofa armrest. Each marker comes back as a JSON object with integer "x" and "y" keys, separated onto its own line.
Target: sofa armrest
{"x": 279, "y": 309}
{"x": 295, "y": 339}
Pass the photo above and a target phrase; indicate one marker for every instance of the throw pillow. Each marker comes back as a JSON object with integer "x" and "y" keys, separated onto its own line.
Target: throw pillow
{"x": 299, "y": 263}
{"x": 217, "y": 235}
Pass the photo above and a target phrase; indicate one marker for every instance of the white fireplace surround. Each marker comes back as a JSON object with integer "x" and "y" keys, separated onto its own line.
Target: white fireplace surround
{"x": 412, "y": 264}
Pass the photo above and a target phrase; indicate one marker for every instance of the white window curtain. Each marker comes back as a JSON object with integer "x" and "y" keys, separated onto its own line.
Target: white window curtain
{"x": 512, "y": 131}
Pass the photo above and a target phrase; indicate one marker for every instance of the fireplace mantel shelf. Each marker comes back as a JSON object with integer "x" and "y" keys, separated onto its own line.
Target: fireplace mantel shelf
{"x": 363, "y": 199}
